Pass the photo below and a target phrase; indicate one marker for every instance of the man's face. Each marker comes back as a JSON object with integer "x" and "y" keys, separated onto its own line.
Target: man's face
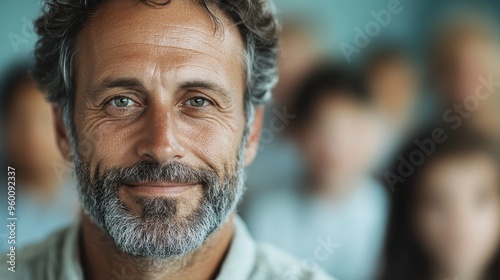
{"x": 159, "y": 121}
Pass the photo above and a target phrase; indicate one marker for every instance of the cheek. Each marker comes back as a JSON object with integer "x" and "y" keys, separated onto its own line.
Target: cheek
{"x": 431, "y": 227}
{"x": 435, "y": 231}
{"x": 312, "y": 149}
{"x": 108, "y": 144}
{"x": 214, "y": 142}
{"x": 486, "y": 226}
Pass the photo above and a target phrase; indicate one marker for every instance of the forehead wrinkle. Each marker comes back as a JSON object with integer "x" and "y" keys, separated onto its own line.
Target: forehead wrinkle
{"x": 192, "y": 43}
{"x": 157, "y": 71}
{"x": 197, "y": 30}
{"x": 201, "y": 29}
{"x": 167, "y": 47}
{"x": 172, "y": 37}
{"x": 179, "y": 65}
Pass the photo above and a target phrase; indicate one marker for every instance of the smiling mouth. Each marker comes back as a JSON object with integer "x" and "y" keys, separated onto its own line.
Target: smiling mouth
{"x": 160, "y": 188}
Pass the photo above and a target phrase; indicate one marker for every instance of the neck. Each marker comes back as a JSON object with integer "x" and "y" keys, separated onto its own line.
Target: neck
{"x": 102, "y": 259}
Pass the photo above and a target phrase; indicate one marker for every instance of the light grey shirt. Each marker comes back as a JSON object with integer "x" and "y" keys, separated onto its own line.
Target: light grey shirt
{"x": 343, "y": 236}
{"x": 58, "y": 258}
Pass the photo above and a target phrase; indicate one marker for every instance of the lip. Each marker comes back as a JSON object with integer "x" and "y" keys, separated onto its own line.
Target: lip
{"x": 159, "y": 189}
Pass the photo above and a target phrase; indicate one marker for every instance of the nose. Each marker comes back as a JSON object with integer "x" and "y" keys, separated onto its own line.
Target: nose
{"x": 160, "y": 137}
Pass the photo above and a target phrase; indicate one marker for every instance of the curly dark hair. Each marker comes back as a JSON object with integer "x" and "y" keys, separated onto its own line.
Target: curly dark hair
{"x": 62, "y": 20}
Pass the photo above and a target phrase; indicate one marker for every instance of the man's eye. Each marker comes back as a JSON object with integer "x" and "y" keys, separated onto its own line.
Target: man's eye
{"x": 121, "y": 102}
{"x": 198, "y": 102}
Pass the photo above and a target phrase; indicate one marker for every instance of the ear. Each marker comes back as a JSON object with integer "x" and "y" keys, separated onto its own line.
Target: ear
{"x": 252, "y": 144}
{"x": 61, "y": 133}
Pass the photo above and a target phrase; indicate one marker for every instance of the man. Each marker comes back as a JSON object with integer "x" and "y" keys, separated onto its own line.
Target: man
{"x": 158, "y": 105}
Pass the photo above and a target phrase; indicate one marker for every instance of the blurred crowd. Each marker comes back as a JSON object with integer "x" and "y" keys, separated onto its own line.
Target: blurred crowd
{"x": 386, "y": 168}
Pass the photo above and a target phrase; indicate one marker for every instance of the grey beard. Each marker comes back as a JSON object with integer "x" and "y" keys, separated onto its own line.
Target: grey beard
{"x": 158, "y": 232}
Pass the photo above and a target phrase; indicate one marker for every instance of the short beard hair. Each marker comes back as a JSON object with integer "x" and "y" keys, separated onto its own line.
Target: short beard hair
{"x": 158, "y": 232}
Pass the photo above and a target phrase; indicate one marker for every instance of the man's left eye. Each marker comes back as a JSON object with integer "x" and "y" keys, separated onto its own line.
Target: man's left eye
{"x": 198, "y": 102}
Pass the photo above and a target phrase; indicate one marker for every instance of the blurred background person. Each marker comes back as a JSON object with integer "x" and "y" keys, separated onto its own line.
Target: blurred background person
{"x": 445, "y": 216}
{"x": 299, "y": 52}
{"x": 45, "y": 196}
{"x": 465, "y": 56}
{"x": 338, "y": 133}
{"x": 394, "y": 82}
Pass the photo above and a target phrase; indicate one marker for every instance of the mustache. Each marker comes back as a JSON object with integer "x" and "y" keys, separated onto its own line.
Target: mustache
{"x": 154, "y": 172}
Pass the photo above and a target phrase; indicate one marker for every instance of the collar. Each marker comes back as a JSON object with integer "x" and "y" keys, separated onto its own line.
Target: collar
{"x": 240, "y": 259}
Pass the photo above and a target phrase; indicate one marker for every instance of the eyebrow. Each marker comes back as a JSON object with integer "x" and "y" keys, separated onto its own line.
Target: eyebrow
{"x": 135, "y": 84}
{"x": 129, "y": 83}
{"x": 206, "y": 85}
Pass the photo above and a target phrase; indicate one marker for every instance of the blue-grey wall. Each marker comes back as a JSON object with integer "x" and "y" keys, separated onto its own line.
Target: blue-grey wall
{"x": 334, "y": 20}
{"x": 16, "y": 30}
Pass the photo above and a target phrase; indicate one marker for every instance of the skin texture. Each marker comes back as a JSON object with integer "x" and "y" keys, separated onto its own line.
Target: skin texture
{"x": 182, "y": 83}
{"x": 458, "y": 215}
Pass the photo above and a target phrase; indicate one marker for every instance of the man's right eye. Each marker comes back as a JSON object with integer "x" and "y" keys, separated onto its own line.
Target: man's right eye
{"x": 121, "y": 102}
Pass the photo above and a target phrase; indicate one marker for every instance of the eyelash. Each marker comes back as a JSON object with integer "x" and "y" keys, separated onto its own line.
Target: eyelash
{"x": 210, "y": 102}
{"x": 108, "y": 101}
